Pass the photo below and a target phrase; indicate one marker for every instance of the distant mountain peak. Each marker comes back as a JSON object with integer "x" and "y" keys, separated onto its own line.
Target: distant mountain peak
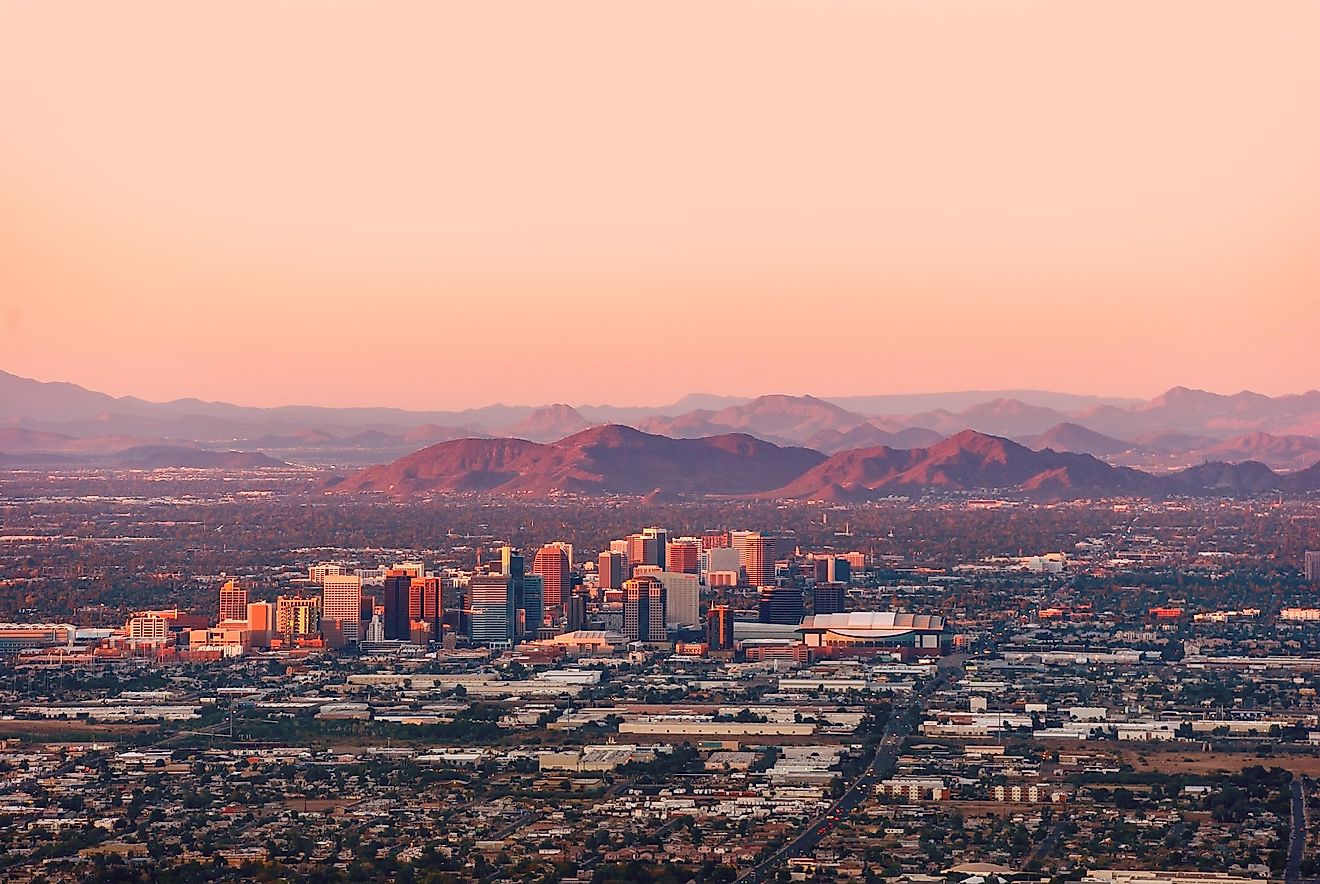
{"x": 974, "y": 440}
{"x": 610, "y": 459}
{"x": 1184, "y": 397}
{"x": 549, "y": 423}
{"x": 606, "y": 434}
{"x": 1069, "y": 436}
{"x": 965, "y": 461}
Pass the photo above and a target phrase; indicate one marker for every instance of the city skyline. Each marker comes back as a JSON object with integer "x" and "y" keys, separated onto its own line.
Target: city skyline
{"x": 980, "y": 200}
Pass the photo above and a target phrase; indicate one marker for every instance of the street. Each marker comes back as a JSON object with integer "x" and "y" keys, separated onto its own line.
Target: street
{"x": 881, "y": 765}
{"x": 1297, "y": 844}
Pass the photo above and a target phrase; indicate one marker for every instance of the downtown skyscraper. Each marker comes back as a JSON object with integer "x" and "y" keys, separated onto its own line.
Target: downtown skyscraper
{"x": 611, "y": 568}
{"x": 644, "y": 609}
{"x": 491, "y": 615}
{"x": 398, "y": 602}
{"x": 756, "y": 555}
{"x": 233, "y": 601}
{"x": 551, "y": 563}
{"x": 341, "y": 605}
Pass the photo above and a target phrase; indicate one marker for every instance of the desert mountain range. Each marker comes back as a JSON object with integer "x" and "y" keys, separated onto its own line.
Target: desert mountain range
{"x": 615, "y": 459}
{"x": 885, "y": 442}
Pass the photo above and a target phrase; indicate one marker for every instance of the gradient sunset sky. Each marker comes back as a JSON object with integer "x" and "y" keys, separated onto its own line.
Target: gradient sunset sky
{"x": 440, "y": 205}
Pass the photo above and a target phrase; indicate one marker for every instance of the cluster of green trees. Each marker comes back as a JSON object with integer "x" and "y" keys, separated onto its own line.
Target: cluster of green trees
{"x": 683, "y": 758}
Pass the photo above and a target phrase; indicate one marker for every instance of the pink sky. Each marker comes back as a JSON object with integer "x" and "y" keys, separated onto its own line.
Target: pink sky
{"x": 443, "y": 205}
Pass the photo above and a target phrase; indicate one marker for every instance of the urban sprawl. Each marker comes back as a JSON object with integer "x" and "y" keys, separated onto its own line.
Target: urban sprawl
{"x": 1126, "y": 695}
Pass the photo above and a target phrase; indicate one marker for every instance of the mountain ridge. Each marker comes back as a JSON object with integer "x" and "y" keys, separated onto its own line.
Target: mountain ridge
{"x": 614, "y": 459}
{"x": 1179, "y": 428}
{"x": 609, "y": 459}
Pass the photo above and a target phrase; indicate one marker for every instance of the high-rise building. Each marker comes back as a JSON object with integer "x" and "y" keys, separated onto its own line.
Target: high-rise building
{"x": 297, "y": 616}
{"x": 634, "y": 550}
{"x": 577, "y": 609}
{"x": 147, "y": 629}
{"x": 397, "y": 593}
{"x": 261, "y": 623}
{"x": 455, "y": 609}
{"x": 828, "y": 598}
{"x": 551, "y": 563}
{"x": 510, "y": 559}
{"x": 682, "y": 598}
{"x": 514, "y": 566}
{"x": 332, "y": 633}
{"x": 661, "y": 538}
{"x": 490, "y": 611}
{"x": 411, "y": 569}
{"x": 567, "y": 548}
{"x": 374, "y": 630}
{"x": 317, "y": 573}
{"x": 715, "y": 540}
{"x": 233, "y": 601}
{"x": 723, "y": 559}
{"x": 426, "y": 605}
{"x": 644, "y": 549}
{"x": 644, "y": 609}
{"x": 813, "y": 568}
{"x": 341, "y": 604}
{"x": 682, "y": 556}
{"x": 781, "y": 605}
{"x": 719, "y": 628}
{"x": 756, "y": 555}
{"x": 611, "y": 570}
{"x": 838, "y": 570}
{"x": 533, "y": 609}
{"x": 1312, "y": 566}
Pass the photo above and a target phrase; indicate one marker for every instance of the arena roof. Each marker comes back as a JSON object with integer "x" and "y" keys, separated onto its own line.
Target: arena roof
{"x": 884, "y": 622}
{"x": 590, "y": 637}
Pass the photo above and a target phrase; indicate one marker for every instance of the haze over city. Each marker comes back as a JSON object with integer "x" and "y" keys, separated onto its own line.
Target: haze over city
{"x": 298, "y": 204}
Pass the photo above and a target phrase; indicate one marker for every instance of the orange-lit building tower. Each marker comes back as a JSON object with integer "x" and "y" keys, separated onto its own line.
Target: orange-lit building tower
{"x": 715, "y": 540}
{"x": 426, "y": 604}
{"x": 757, "y": 556}
{"x": 297, "y": 617}
{"x": 643, "y": 549}
{"x": 341, "y": 605}
{"x": 551, "y": 564}
{"x": 719, "y": 628}
{"x": 611, "y": 568}
{"x": 233, "y": 601}
{"x": 261, "y": 623}
{"x": 683, "y": 556}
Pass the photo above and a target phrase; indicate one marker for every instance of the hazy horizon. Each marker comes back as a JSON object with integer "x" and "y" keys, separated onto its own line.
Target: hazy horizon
{"x": 516, "y": 403}
{"x": 446, "y": 207}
